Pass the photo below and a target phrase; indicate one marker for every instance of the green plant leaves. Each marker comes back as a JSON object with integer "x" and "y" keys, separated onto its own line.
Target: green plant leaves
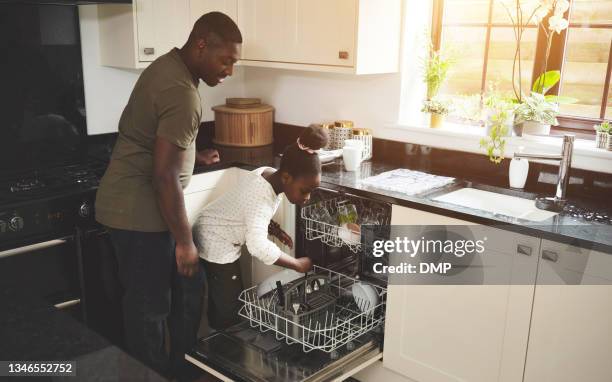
{"x": 546, "y": 81}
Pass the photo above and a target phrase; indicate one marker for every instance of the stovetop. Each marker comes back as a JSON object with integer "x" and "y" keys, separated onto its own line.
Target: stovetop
{"x": 21, "y": 186}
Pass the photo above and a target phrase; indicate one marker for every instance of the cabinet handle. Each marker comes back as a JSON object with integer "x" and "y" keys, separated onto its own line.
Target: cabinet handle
{"x": 67, "y": 304}
{"x": 550, "y": 255}
{"x": 149, "y": 51}
{"x": 343, "y": 55}
{"x": 523, "y": 250}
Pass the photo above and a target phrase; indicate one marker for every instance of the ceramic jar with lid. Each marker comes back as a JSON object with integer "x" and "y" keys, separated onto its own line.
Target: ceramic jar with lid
{"x": 342, "y": 131}
{"x": 365, "y": 136}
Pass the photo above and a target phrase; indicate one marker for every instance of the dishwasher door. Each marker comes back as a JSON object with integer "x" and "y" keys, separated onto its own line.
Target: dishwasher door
{"x": 242, "y": 353}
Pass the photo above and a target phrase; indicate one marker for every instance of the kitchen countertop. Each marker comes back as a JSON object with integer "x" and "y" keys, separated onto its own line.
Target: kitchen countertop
{"x": 560, "y": 228}
{"x": 32, "y": 330}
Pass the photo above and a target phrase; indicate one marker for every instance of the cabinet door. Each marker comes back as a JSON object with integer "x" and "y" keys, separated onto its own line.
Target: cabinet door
{"x": 265, "y": 27}
{"x": 461, "y": 332}
{"x": 324, "y": 32}
{"x": 160, "y": 26}
{"x": 198, "y": 8}
{"x": 571, "y": 328}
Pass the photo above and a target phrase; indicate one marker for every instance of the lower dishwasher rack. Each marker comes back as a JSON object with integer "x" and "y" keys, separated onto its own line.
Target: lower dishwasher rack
{"x": 350, "y": 317}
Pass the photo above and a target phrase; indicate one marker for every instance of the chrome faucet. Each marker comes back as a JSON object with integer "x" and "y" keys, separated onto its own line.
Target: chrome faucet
{"x": 557, "y": 202}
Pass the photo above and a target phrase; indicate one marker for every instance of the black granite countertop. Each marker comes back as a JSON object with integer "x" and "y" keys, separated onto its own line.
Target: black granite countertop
{"x": 561, "y": 228}
{"x": 33, "y": 330}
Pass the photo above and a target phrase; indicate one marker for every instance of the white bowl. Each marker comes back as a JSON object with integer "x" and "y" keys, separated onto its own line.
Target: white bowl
{"x": 365, "y": 296}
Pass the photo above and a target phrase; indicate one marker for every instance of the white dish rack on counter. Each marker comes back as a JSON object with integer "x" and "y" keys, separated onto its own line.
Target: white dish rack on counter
{"x": 317, "y": 311}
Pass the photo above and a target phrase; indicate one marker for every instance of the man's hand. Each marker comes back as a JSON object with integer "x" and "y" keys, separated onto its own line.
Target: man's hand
{"x": 187, "y": 259}
{"x": 207, "y": 157}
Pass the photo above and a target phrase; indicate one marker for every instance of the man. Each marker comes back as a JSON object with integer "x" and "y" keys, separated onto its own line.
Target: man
{"x": 140, "y": 198}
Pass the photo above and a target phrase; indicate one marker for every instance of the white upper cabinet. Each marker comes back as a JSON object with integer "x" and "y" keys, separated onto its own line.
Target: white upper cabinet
{"x": 347, "y": 36}
{"x": 161, "y": 25}
{"x": 199, "y": 7}
{"x": 134, "y": 35}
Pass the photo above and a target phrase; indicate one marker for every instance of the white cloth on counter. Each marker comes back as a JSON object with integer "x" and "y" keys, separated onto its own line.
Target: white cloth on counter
{"x": 407, "y": 182}
{"x": 241, "y": 216}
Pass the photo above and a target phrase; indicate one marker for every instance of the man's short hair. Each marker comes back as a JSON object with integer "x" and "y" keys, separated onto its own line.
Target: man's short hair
{"x": 220, "y": 25}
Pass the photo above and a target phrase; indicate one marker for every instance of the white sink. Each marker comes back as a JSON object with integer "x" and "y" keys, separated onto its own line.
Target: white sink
{"x": 496, "y": 203}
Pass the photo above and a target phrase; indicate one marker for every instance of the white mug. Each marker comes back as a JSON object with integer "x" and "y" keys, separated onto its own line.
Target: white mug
{"x": 351, "y": 157}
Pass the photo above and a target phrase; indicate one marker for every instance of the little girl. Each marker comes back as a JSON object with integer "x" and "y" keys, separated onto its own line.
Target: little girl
{"x": 243, "y": 216}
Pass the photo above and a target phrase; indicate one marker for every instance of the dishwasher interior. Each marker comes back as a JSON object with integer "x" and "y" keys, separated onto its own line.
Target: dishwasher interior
{"x": 321, "y": 326}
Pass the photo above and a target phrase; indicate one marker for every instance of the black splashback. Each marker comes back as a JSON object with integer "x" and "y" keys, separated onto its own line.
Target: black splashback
{"x": 41, "y": 86}
{"x": 585, "y": 185}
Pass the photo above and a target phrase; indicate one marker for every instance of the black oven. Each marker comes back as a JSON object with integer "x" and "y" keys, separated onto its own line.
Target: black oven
{"x": 47, "y": 267}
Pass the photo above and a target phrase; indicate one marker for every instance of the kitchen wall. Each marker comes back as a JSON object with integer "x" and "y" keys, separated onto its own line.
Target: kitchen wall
{"x": 107, "y": 89}
{"x": 301, "y": 98}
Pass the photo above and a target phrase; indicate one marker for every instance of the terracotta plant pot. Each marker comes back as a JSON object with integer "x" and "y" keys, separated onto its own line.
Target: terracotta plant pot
{"x": 601, "y": 140}
{"x": 437, "y": 120}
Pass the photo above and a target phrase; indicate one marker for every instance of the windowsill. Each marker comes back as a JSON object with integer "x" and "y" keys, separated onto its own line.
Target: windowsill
{"x": 467, "y": 138}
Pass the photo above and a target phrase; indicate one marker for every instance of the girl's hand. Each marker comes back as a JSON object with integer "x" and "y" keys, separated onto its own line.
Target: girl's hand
{"x": 303, "y": 264}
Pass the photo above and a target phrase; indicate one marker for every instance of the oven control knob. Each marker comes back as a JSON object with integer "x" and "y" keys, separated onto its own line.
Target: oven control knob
{"x": 84, "y": 210}
{"x": 16, "y": 223}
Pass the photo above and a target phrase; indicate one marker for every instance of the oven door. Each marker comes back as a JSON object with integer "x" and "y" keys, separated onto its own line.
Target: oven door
{"x": 242, "y": 353}
{"x": 47, "y": 268}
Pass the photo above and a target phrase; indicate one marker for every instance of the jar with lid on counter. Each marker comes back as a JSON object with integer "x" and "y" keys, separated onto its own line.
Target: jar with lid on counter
{"x": 364, "y": 135}
{"x": 342, "y": 131}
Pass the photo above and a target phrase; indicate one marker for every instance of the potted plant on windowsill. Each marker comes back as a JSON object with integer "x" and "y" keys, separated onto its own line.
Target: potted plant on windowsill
{"x": 437, "y": 109}
{"x": 537, "y": 110}
{"x": 537, "y": 114}
{"x": 602, "y": 135}
{"x": 435, "y": 71}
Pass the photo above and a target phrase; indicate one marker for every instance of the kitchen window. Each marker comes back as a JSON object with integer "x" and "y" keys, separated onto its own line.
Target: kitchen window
{"x": 480, "y": 34}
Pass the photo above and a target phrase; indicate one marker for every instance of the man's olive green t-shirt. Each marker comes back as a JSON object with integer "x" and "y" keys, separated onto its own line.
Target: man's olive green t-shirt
{"x": 165, "y": 103}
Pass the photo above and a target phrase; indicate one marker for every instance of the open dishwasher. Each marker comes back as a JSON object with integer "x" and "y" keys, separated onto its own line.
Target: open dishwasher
{"x": 323, "y": 326}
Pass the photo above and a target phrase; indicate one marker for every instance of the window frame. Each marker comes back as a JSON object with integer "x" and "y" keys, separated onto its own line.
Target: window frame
{"x": 581, "y": 126}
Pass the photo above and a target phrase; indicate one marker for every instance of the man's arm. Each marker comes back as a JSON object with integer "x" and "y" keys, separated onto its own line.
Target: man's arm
{"x": 167, "y": 164}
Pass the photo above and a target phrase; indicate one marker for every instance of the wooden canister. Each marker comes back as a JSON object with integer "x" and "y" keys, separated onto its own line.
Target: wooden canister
{"x": 243, "y": 124}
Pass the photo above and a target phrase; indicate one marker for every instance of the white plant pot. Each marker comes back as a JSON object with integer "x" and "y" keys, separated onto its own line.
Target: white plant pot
{"x": 601, "y": 140}
{"x": 535, "y": 128}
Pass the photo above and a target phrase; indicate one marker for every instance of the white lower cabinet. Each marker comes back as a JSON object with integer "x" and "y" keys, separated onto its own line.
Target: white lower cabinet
{"x": 571, "y": 326}
{"x": 437, "y": 333}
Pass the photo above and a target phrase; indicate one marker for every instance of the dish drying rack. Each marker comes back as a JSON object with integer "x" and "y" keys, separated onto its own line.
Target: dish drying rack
{"x": 330, "y": 318}
{"x": 328, "y": 232}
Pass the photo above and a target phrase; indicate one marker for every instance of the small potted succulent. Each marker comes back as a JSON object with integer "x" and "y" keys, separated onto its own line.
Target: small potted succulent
{"x": 602, "y": 135}
{"x": 438, "y": 109}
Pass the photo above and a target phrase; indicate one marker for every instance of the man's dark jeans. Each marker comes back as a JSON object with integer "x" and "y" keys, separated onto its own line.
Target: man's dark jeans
{"x": 155, "y": 294}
